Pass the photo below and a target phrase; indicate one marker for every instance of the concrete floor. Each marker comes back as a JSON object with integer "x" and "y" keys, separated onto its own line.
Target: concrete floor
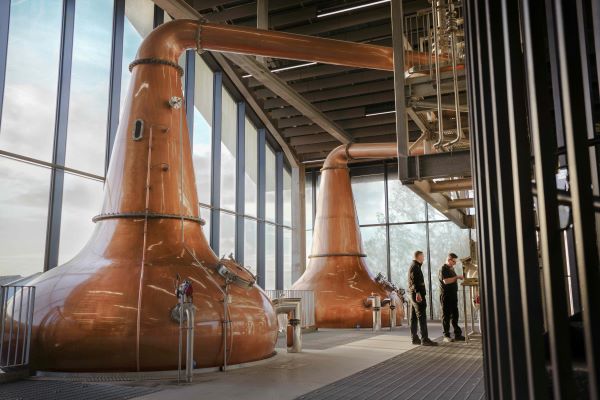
{"x": 327, "y": 357}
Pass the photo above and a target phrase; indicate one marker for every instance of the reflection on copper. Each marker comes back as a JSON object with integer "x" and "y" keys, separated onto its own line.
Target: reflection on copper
{"x": 337, "y": 271}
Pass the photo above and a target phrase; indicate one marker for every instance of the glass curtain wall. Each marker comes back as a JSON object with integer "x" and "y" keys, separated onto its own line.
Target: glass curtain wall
{"x": 391, "y": 234}
{"x": 49, "y": 194}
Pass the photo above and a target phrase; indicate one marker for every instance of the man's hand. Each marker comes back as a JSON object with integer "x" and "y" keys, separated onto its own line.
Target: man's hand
{"x": 418, "y": 298}
{"x": 461, "y": 277}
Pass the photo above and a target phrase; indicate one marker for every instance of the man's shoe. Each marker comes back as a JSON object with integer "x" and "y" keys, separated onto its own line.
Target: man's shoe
{"x": 428, "y": 342}
{"x": 416, "y": 340}
{"x": 448, "y": 339}
{"x": 459, "y": 338}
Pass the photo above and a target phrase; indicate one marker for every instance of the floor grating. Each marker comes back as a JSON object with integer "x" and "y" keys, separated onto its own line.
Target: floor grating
{"x": 449, "y": 371}
{"x": 62, "y": 390}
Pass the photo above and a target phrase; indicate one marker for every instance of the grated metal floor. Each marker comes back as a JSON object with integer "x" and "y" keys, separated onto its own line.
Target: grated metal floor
{"x": 62, "y": 390}
{"x": 449, "y": 371}
{"x": 325, "y": 339}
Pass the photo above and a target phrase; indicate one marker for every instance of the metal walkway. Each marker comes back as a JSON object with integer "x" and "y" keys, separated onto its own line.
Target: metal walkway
{"x": 449, "y": 371}
{"x": 62, "y": 390}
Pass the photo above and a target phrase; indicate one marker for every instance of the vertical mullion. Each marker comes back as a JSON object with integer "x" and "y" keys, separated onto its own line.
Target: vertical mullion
{"x": 60, "y": 134}
{"x": 215, "y": 178}
{"x": 430, "y": 284}
{"x": 279, "y": 220}
{"x": 159, "y": 16}
{"x": 525, "y": 311}
{"x": 190, "y": 95}
{"x": 4, "y": 29}
{"x": 240, "y": 197}
{"x": 387, "y": 221}
{"x": 261, "y": 197}
{"x": 116, "y": 64}
{"x": 314, "y": 196}
{"x": 576, "y": 129}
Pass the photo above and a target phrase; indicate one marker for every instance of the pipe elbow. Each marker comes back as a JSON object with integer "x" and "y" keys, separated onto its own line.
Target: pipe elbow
{"x": 338, "y": 157}
{"x": 170, "y": 40}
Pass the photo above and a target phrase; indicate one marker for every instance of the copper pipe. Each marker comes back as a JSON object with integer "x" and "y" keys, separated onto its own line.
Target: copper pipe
{"x": 451, "y": 185}
{"x": 337, "y": 271}
{"x": 267, "y": 43}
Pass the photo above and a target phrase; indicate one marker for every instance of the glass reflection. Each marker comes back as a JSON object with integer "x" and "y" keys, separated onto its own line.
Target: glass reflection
{"x": 202, "y": 132}
{"x": 88, "y": 106}
{"x": 24, "y": 192}
{"x": 251, "y": 170}
{"x": 404, "y": 241}
{"x": 227, "y": 235}
{"x": 33, "y": 52}
{"x": 270, "y": 258}
{"x": 375, "y": 247}
{"x": 369, "y": 198}
{"x": 287, "y": 258}
{"x": 270, "y": 185}
{"x": 287, "y": 198}
{"x": 250, "y": 244}
{"x": 82, "y": 200}
{"x": 228, "y": 151}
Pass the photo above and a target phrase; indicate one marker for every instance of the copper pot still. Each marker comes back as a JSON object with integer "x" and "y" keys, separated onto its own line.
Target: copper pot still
{"x": 338, "y": 272}
{"x": 110, "y": 308}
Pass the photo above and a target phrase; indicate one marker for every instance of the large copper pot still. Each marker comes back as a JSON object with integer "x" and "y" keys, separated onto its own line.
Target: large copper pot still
{"x": 337, "y": 271}
{"x": 110, "y": 307}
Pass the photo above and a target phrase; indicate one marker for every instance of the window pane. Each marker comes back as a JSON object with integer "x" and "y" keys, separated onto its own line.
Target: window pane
{"x": 445, "y": 237}
{"x": 270, "y": 261}
{"x": 139, "y": 21}
{"x": 287, "y": 258}
{"x": 309, "y": 237}
{"x": 375, "y": 246}
{"x": 404, "y": 241}
{"x": 270, "y": 184}
{"x": 435, "y": 215}
{"x": 227, "y": 235}
{"x": 228, "y": 149}
{"x": 287, "y": 197}
{"x": 24, "y": 191}
{"x": 404, "y": 204}
{"x": 88, "y": 106}
{"x": 205, "y": 215}
{"x": 308, "y": 201}
{"x": 369, "y": 198}
{"x": 251, "y": 170}
{"x": 82, "y": 200}
{"x": 202, "y": 139}
{"x": 250, "y": 244}
{"x": 28, "y": 115}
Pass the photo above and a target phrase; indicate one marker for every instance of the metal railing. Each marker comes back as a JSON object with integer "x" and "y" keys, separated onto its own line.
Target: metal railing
{"x": 16, "y": 317}
{"x": 307, "y": 319}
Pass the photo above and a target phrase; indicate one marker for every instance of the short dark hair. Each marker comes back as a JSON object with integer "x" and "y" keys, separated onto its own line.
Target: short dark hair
{"x": 417, "y": 254}
{"x": 452, "y": 256}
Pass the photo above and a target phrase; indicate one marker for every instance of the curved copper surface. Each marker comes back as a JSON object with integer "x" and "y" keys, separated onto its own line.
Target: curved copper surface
{"x": 108, "y": 309}
{"x": 337, "y": 271}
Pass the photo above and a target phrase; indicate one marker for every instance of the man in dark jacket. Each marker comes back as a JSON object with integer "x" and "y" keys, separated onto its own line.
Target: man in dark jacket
{"x": 449, "y": 298}
{"x": 417, "y": 292}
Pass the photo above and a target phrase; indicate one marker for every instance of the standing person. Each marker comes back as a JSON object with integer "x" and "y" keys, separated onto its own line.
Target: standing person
{"x": 449, "y": 298}
{"x": 417, "y": 292}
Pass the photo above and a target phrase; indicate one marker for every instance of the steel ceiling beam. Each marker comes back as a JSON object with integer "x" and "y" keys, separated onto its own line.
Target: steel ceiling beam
{"x": 279, "y": 87}
{"x": 440, "y": 203}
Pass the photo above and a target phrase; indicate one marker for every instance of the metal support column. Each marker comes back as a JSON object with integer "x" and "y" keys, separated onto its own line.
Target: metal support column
{"x": 60, "y": 134}
{"x": 4, "y": 29}
{"x": 261, "y": 199}
{"x": 400, "y": 100}
{"x": 215, "y": 178}
{"x": 116, "y": 64}
{"x": 279, "y": 220}
{"x": 240, "y": 198}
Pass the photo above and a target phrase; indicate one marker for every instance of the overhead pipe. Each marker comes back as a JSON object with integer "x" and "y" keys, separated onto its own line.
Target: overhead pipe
{"x": 452, "y": 27}
{"x": 451, "y": 185}
{"x": 438, "y": 83}
{"x": 460, "y": 203}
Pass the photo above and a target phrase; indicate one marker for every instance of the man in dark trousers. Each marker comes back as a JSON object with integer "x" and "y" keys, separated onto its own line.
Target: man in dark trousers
{"x": 417, "y": 292}
{"x": 449, "y": 298}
